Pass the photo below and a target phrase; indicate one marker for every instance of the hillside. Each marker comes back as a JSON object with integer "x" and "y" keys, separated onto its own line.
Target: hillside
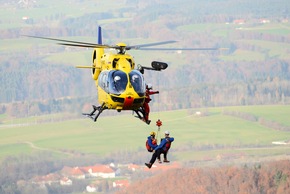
{"x": 235, "y": 141}
{"x": 267, "y": 177}
{"x": 38, "y": 77}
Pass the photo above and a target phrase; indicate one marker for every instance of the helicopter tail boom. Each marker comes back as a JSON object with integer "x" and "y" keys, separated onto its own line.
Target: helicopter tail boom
{"x": 155, "y": 65}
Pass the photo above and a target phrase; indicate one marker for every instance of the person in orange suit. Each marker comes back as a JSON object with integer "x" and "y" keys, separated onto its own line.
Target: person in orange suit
{"x": 146, "y": 102}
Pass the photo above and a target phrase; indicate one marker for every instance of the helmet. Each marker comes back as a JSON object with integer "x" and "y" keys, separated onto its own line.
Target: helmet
{"x": 152, "y": 133}
{"x": 166, "y": 132}
{"x": 149, "y": 86}
{"x": 117, "y": 78}
{"x": 135, "y": 78}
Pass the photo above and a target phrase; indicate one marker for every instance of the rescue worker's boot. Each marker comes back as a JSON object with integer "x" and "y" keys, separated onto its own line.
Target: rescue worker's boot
{"x": 165, "y": 160}
{"x": 148, "y": 165}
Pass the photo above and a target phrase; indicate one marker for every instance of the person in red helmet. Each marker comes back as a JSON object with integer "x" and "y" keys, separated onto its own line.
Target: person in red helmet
{"x": 146, "y": 102}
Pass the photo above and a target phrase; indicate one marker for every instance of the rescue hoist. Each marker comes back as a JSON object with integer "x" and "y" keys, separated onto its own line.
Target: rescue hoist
{"x": 158, "y": 124}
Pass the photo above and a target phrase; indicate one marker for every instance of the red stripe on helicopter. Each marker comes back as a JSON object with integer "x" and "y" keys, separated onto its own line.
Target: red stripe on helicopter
{"x": 128, "y": 102}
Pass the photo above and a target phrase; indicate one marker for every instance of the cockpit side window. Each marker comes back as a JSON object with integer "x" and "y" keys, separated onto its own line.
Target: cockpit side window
{"x": 103, "y": 81}
{"x": 137, "y": 81}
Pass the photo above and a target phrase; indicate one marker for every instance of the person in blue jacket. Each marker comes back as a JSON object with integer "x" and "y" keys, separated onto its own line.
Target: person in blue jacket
{"x": 162, "y": 148}
{"x": 151, "y": 142}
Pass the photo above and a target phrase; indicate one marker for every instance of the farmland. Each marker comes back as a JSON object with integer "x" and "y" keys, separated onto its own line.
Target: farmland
{"x": 196, "y": 137}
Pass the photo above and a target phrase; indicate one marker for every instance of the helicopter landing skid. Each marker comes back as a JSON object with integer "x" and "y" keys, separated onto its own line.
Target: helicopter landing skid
{"x": 140, "y": 114}
{"x": 92, "y": 114}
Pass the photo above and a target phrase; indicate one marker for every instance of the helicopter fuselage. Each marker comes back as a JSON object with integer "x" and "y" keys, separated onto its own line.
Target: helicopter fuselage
{"x": 119, "y": 85}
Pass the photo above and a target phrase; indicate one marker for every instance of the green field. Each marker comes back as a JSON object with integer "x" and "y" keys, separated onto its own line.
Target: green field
{"x": 49, "y": 9}
{"x": 126, "y": 133}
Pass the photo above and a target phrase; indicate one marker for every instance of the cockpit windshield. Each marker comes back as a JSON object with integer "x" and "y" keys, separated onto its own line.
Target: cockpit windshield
{"x": 137, "y": 82}
{"x": 117, "y": 82}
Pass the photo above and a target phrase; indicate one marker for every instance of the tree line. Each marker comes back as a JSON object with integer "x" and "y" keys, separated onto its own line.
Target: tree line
{"x": 266, "y": 177}
{"x": 36, "y": 88}
{"x": 257, "y": 177}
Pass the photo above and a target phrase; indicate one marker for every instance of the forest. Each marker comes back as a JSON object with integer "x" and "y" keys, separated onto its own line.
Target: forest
{"x": 268, "y": 177}
{"x": 255, "y": 177}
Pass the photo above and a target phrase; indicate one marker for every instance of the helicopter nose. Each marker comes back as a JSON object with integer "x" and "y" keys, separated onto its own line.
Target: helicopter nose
{"x": 128, "y": 102}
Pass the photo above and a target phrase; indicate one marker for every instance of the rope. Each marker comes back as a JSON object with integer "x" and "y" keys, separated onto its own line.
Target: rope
{"x": 158, "y": 101}
{"x": 158, "y": 122}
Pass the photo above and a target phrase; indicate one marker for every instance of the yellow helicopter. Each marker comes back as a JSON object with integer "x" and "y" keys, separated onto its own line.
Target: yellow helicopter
{"x": 119, "y": 82}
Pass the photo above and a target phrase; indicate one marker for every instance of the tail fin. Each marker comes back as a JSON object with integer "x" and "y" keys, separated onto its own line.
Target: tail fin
{"x": 100, "y": 35}
{"x": 97, "y": 54}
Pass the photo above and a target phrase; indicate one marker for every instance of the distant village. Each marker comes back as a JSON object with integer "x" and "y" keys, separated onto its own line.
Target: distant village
{"x": 261, "y": 21}
{"x": 117, "y": 176}
{"x": 241, "y": 21}
{"x": 113, "y": 176}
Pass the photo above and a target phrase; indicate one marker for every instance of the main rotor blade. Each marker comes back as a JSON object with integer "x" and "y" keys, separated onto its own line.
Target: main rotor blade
{"x": 150, "y": 44}
{"x": 177, "y": 49}
{"x": 87, "y": 67}
{"x": 83, "y": 44}
{"x": 136, "y": 47}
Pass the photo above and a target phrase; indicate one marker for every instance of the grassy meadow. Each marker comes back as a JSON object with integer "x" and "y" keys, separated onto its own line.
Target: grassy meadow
{"x": 226, "y": 135}
{"x": 49, "y": 9}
